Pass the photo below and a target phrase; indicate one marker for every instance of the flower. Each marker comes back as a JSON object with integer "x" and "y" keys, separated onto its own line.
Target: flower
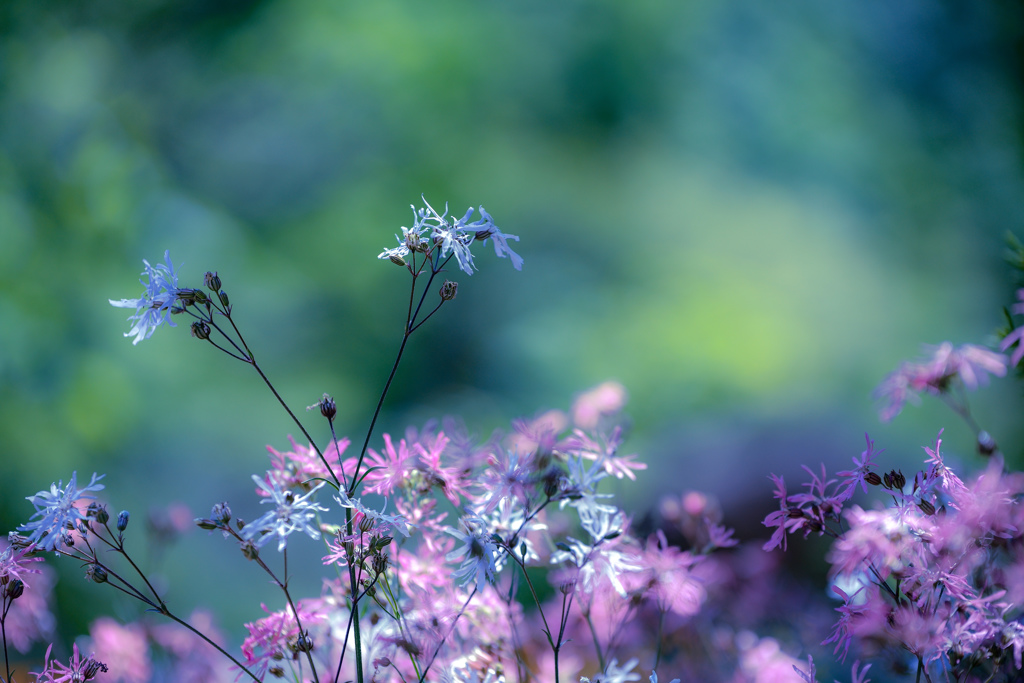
{"x": 969, "y": 362}
{"x": 78, "y": 670}
{"x": 290, "y": 514}
{"x": 154, "y": 307}
{"x": 453, "y": 235}
{"x": 56, "y": 510}
{"x": 478, "y": 551}
{"x": 613, "y": 673}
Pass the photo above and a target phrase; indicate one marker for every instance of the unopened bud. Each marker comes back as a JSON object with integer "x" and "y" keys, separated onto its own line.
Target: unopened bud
{"x": 365, "y": 524}
{"x": 221, "y": 513}
{"x": 200, "y": 329}
{"x": 396, "y": 259}
{"x": 328, "y": 408}
{"x": 304, "y": 643}
{"x": 91, "y": 668}
{"x": 14, "y": 589}
{"x": 483, "y": 234}
{"x": 122, "y": 520}
{"x": 872, "y": 478}
{"x": 96, "y": 573}
{"x": 211, "y": 281}
{"x": 381, "y": 661}
{"x": 926, "y": 507}
{"x": 448, "y": 290}
{"x": 986, "y": 444}
{"x": 98, "y": 512}
{"x": 276, "y": 672}
{"x": 224, "y": 299}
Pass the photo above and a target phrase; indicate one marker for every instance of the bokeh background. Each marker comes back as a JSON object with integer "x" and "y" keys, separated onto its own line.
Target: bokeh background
{"x": 746, "y": 213}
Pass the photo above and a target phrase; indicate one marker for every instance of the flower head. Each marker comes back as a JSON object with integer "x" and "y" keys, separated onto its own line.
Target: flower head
{"x": 155, "y": 305}
{"x": 291, "y": 513}
{"x": 56, "y": 510}
{"x": 77, "y": 670}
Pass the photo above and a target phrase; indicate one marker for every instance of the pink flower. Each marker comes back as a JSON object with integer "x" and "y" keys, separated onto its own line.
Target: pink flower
{"x": 593, "y": 404}
{"x": 391, "y": 468}
{"x": 77, "y": 670}
{"x": 124, "y": 648}
{"x": 971, "y": 363}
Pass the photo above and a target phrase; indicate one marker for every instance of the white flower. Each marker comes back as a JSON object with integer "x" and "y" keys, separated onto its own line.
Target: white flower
{"x": 487, "y": 230}
{"x": 56, "y": 510}
{"x": 290, "y": 514}
{"x": 153, "y": 308}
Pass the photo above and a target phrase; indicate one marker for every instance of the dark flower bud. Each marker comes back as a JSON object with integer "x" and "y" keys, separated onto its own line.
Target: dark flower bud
{"x": 567, "y": 587}
{"x": 898, "y": 480}
{"x": 794, "y": 513}
{"x": 187, "y": 296}
{"x": 211, "y": 281}
{"x": 200, "y": 329}
{"x": 14, "y": 589}
{"x": 328, "y": 408}
{"x": 380, "y": 563}
{"x": 207, "y": 524}
{"x": 365, "y": 524}
{"x": 381, "y": 661}
{"x": 872, "y": 478}
{"x": 483, "y": 234}
{"x": 224, "y": 300}
{"x": 122, "y": 520}
{"x": 276, "y": 672}
{"x": 986, "y": 444}
{"x": 96, "y": 573}
{"x": 926, "y": 507}
{"x": 396, "y": 259}
{"x": 552, "y": 481}
{"x": 98, "y": 512}
{"x": 304, "y": 643}
{"x": 91, "y": 668}
{"x": 448, "y": 290}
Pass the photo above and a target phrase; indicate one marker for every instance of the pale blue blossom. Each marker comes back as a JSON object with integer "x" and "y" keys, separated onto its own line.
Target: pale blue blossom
{"x": 291, "y": 513}
{"x": 56, "y": 509}
{"x": 155, "y": 305}
{"x": 478, "y": 551}
{"x": 453, "y": 236}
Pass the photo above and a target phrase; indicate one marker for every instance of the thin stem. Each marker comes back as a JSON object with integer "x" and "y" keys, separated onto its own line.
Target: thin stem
{"x": 450, "y": 630}
{"x": 3, "y": 630}
{"x": 597, "y": 644}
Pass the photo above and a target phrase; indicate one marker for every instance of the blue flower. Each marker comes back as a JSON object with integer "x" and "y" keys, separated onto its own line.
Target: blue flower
{"x": 56, "y": 510}
{"x": 291, "y": 513}
{"x": 153, "y": 308}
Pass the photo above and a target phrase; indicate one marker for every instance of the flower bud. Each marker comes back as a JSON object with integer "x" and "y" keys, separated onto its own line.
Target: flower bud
{"x": 483, "y": 234}
{"x": 207, "y": 524}
{"x": 224, "y": 300}
{"x": 250, "y": 551}
{"x": 396, "y": 259}
{"x": 122, "y": 520}
{"x": 14, "y": 589}
{"x": 211, "y": 281}
{"x": 91, "y": 668}
{"x": 872, "y": 478}
{"x": 448, "y": 290}
{"x": 381, "y": 661}
{"x": 926, "y": 507}
{"x": 200, "y": 329}
{"x": 304, "y": 643}
{"x": 986, "y": 444}
{"x": 96, "y": 573}
{"x": 328, "y": 408}
{"x": 276, "y": 672}
{"x": 98, "y": 512}
{"x": 220, "y": 514}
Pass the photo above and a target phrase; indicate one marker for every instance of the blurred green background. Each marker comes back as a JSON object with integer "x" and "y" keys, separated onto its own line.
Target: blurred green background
{"x": 747, "y": 213}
